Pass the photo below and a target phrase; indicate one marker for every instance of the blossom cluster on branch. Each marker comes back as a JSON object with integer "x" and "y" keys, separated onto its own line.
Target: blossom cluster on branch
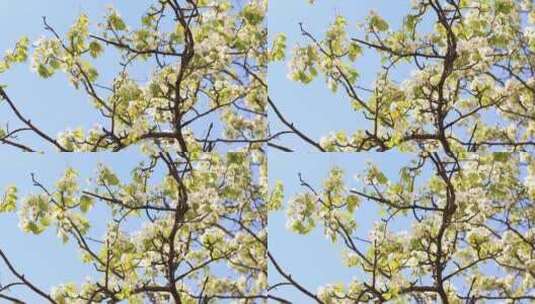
{"x": 189, "y": 224}
{"x": 463, "y": 114}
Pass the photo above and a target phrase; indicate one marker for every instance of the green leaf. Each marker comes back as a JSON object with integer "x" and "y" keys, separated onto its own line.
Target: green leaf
{"x": 277, "y": 196}
{"x": 95, "y": 49}
{"x": 116, "y": 22}
{"x": 108, "y": 177}
{"x": 9, "y": 203}
{"x": 352, "y": 202}
{"x": 279, "y": 47}
{"x": 354, "y": 51}
{"x": 378, "y": 23}
{"x": 44, "y": 71}
{"x": 86, "y": 202}
{"x": 381, "y": 178}
{"x": 33, "y": 228}
{"x": 501, "y": 156}
{"x": 253, "y": 14}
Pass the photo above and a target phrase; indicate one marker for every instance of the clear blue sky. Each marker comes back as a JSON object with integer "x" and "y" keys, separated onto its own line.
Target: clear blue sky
{"x": 313, "y": 107}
